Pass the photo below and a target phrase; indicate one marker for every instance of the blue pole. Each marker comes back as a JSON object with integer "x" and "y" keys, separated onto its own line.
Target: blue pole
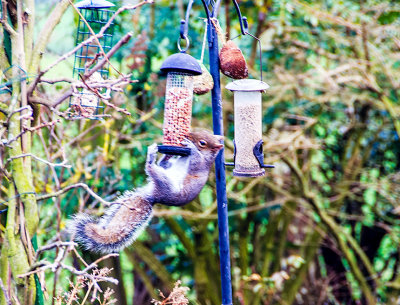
{"x": 223, "y": 226}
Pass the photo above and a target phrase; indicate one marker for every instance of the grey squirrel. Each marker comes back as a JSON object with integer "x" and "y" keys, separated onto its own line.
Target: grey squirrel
{"x": 174, "y": 181}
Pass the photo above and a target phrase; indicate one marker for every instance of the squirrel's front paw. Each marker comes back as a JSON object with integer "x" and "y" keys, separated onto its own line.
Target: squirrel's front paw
{"x": 152, "y": 153}
{"x": 188, "y": 143}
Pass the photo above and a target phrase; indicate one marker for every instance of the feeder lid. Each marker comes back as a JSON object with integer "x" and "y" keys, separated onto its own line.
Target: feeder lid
{"x": 181, "y": 62}
{"x": 247, "y": 85}
{"x": 96, "y": 4}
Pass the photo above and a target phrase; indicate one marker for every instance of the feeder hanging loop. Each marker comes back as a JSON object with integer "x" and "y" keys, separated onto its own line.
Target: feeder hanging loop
{"x": 183, "y": 50}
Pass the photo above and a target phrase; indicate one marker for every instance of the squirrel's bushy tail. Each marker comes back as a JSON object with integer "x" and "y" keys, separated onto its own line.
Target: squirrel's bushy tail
{"x": 116, "y": 229}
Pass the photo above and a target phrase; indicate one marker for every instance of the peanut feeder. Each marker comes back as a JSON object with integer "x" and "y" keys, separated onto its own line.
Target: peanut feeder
{"x": 248, "y": 159}
{"x": 180, "y": 69}
{"x": 94, "y": 15}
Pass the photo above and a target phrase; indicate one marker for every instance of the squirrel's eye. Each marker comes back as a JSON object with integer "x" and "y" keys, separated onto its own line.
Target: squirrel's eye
{"x": 202, "y": 143}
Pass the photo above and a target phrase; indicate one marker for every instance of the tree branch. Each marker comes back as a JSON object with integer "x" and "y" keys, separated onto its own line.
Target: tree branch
{"x": 4, "y": 20}
{"x": 62, "y": 164}
{"x": 84, "y": 43}
{"x": 69, "y": 187}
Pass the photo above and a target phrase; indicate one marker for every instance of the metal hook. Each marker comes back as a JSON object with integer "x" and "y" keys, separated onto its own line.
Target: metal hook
{"x": 185, "y": 23}
{"x": 244, "y": 28}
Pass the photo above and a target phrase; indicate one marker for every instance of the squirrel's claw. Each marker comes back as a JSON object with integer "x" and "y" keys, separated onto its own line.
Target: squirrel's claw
{"x": 152, "y": 153}
{"x": 188, "y": 143}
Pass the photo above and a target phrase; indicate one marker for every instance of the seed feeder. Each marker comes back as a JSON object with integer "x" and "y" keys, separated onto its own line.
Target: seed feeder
{"x": 180, "y": 69}
{"x": 248, "y": 159}
{"x": 248, "y": 155}
{"x": 96, "y": 13}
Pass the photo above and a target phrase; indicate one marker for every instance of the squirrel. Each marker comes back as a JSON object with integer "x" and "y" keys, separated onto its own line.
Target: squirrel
{"x": 174, "y": 181}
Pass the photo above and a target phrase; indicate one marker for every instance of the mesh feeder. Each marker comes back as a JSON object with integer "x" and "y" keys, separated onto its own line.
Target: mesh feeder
{"x": 248, "y": 156}
{"x": 180, "y": 69}
{"x": 96, "y": 13}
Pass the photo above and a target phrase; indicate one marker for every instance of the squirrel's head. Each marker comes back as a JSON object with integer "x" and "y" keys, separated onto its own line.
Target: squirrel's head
{"x": 206, "y": 142}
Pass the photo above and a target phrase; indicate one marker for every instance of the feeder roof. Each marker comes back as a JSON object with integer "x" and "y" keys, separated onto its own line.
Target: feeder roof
{"x": 247, "y": 85}
{"x": 181, "y": 62}
{"x": 95, "y": 4}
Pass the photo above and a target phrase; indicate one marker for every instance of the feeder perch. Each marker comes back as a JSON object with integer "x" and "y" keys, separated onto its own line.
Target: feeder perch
{"x": 96, "y": 14}
{"x": 180, "y": 69}
{"x": 248, "y": 155}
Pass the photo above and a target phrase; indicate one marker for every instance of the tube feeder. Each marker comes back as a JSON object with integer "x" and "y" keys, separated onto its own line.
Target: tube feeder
{"x": 248, "y": 155}
{"x": 180, "y": 69}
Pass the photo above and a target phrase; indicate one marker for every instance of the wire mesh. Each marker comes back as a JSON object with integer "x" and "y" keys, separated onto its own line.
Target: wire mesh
{"x": 6, "y": 82}
{"x": 87, "y": 104}
{"x": 178, "y": 108}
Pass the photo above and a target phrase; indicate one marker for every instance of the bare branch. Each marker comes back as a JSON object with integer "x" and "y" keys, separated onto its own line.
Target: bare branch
{"x": 69, "y": 187}
{"x": 96, "y": 38}
{"x": 84, "y": 43}
{"x": 4, "y": 20}
{"x": 56, "y": 265}
{"x": 54, "y": 245}
{"x": 26, "y": 129}
{"x": 110, "y": 53}
{"x": 57, "y": 80}
{"x": 104, "y": 99}
{"x": 97, "y": 261}
{"x": 62, "y": 164}
{"x": 111, "y": 84}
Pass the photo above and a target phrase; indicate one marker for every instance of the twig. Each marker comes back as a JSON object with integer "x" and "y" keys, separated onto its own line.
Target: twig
{"x": 95, "y": 38}
{"x": 32, "y": 129}
{"x": 62, "y": 98}
{"x": 104, "y": 99}
{"x": 62, "y": 164}
{"x": 4, "y": 20}
{"x": 26, "y": 129}
{"x": 25, "y": 116}
{"x": 95, "y": 263}
{"x": 70, "y": 92}
{"x": 57, "y": 244}
{"x": 57, "y": 264}
{"x": 116, "y": 108}
{"x": 110, "y": 53}
{"x": 82, "y": 44}
{"x": 49, "y": 105}
{"x": 57, "y": 80}
{"x": 69, "y": 187}
{"x": 79, "y": 257}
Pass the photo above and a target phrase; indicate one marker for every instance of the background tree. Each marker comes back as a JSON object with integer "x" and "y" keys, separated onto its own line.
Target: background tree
{"x": 320, "y": 228}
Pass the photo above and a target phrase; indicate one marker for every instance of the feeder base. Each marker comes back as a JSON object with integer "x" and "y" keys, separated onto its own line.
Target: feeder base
{"x": 173, "y": 150}
{"x": 249, "y": 174}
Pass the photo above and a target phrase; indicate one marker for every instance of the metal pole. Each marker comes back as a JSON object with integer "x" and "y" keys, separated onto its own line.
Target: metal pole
{"x": 223, "y": 226}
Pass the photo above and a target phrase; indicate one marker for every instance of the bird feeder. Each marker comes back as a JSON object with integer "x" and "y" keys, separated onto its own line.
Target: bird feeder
{"x": 94, "y": 14}
{"x": 180, "y": 69}
{"x": 248, "y": 158}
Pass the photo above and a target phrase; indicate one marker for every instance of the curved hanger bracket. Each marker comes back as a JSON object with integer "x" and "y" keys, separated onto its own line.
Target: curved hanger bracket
{"x": 258, "y": 153}
{"x": 244, "y": 29}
